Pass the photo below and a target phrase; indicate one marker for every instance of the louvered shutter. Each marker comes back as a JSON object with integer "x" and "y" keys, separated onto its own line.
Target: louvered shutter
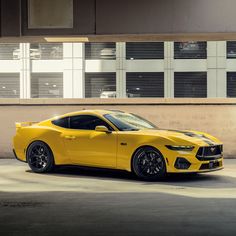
{"x": 231, "y": 84}
{"x": 10, "y": 85}
{"x": 190, "y": 50}
{"x": 9, "y": 51}
{"x": 95, "y": 51}
{"x": 231, "y": 49}
{"x": 190, "y": 84}
{"x": 47, "y": 85}
{"x": 146, "y": 84}
{"x": 46, "y": 51}
{"x": 98, "y": 83}
{"x": 146, "y": 50}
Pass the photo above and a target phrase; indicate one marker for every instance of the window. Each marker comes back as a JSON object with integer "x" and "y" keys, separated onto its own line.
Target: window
{"x": 146, "y": 84}
{"x": 9, "y": 51}
{"x": 190, "y": 84}
{"x": 231, "y": 84}
{"x": 63, "y": 122}
{"x": 102, "y": 85}
{"x": 46, "y": 51}
{"x": 47, "y": 85}
{"x": 129, "y": 122}
{"x": 190, "y": 50}
{"x": 10, "y": 85}
{"x": 87, "y": 122}
{"x": 106, "y": 51}
{"x": 148, "y": 50}
{"x": 231, "y": 49}
{"x": 50, "y": 14}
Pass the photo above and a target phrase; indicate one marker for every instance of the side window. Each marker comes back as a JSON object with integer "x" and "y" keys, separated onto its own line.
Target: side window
{"x": 63, "y": 122}
{"x": 86, "y": 122}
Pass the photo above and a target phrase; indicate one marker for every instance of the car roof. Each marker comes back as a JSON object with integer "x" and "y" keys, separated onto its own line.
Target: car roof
{"x": 90, "y": 112}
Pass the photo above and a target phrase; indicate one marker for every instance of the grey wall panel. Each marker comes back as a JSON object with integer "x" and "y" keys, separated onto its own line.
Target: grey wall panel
{"x": 10, "y": 18}
{"x": 165, "y": 16}
{"x": 133, "y": 16}
{"x": 86, "y": 16}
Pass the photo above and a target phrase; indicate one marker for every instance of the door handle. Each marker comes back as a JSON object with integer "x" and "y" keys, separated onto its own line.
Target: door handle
{"x": 70, "y": 137}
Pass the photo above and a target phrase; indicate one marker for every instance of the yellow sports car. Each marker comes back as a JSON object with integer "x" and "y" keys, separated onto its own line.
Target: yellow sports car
{"x": 116, "y": 140}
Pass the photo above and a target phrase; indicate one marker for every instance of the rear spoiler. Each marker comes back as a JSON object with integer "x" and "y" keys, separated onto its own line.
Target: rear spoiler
{"x": 24, "y": 124}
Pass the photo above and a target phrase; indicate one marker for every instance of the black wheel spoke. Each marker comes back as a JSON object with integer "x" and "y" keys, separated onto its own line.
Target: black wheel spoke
{"x": 145, "y": 168}
{"x": 38, "y": 157}
{"x": 149, "y": 163}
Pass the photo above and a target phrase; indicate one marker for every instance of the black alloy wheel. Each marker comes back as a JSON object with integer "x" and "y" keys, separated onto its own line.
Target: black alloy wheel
{"x": 39, "y": 157}
{"x": 148, "y": 164}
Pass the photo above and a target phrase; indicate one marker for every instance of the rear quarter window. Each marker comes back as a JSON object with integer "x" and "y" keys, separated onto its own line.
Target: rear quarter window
{"x": 62, "y": 122}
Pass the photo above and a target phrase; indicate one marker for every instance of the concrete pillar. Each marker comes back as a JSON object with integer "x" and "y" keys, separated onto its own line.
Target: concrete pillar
{"x": 73, "y": 74}
{"x": 169, "y": 69}
{"x": 78, "y": 70}
{"x": 121, "y": 70}
{"x": 216, "y": 69}
{"x": 221, "y": 88}
{"x": 25, "y": 71}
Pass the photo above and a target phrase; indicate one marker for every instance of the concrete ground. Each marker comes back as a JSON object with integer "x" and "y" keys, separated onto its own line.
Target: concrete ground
{"x": 79, "y": 201}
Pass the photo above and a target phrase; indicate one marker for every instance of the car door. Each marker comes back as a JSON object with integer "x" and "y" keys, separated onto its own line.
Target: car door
{"x": 85, "y": 146}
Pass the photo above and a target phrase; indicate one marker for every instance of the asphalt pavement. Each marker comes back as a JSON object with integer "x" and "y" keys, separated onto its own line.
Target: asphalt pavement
{"x": 81, "y": 201}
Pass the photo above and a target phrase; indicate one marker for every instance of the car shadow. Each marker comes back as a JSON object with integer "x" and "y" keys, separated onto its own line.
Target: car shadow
{"x": 184, "y": 180}
{"x": 90, "y": 172}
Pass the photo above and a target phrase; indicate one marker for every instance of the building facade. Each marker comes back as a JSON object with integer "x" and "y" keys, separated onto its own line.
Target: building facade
{"x": 118, "y": 70}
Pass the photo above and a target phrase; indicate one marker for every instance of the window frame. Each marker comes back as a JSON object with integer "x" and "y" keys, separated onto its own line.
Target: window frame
{"x": 49, "y": 31}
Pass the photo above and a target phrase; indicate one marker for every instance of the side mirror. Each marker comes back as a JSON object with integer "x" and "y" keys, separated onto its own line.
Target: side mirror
{"x": 102, "y": 129}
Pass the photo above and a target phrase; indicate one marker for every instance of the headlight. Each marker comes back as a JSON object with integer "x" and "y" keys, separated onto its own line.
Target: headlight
{"x": 180, "y": 148}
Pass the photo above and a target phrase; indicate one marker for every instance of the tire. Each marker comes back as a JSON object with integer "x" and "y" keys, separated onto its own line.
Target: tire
{"x": 148, "y": 164}
{"x": 39, "y": 157}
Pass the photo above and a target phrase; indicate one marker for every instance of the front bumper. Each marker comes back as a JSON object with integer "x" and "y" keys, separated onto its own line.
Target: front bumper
{"x": 201, "y": 167}
{"x": 192, "y": 164}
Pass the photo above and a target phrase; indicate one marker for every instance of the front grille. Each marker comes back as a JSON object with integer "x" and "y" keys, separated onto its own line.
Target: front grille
{"x": 211, "y": 165}
{"x": 209, "y": 153}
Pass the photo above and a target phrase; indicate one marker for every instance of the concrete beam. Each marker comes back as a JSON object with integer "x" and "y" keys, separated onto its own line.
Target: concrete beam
{"x": 128, "y": 20}
{"x": 165, "y": 16}
{"x": 121, "y": 38}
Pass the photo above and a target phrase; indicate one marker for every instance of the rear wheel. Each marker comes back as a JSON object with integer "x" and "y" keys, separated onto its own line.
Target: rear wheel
{"x": 148, "y": 164}
{"x": 39, "y": 157}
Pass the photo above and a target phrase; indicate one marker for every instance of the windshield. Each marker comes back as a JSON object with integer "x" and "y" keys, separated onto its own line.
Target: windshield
{"x": 129, "y": 122}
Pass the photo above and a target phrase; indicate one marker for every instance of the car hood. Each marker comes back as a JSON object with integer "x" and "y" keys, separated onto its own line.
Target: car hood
{"x": 183, "y": 137}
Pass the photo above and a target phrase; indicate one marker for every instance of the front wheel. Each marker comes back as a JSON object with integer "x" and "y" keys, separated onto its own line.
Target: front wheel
{"x": 148, "y": 164}
{"x": 39, "y": 157}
